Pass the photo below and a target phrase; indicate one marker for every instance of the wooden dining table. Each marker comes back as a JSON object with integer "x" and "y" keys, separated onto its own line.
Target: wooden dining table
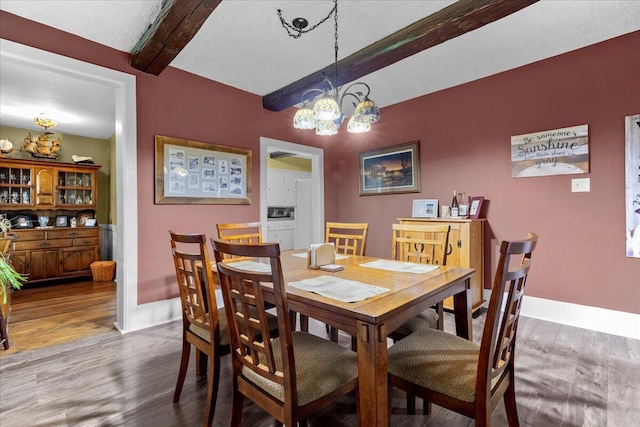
{"x": 372, "y": 319}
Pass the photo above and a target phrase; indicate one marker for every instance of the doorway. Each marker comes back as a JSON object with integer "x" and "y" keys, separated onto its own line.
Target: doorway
{"x": 316, "y": 155}
{"x": 123, "y": 90}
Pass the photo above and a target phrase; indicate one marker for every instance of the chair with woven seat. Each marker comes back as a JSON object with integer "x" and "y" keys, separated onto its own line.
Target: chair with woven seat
{"x": 202, "y": 327}
{"x": 349, "y": 238}
{"x": 425, "y": 244}
{"x": 460, "y": 375}
{"x": 291, "y": 376}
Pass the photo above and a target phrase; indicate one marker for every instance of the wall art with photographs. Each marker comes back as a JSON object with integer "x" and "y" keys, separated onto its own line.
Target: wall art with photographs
{"x": 191, "y": 172}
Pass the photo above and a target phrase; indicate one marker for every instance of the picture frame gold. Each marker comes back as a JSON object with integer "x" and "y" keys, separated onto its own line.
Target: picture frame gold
{"x": 193, "y": 172}
{"x": 390, "y": 170}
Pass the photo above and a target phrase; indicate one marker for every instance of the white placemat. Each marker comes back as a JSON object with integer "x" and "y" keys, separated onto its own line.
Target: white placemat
{"x": 305, "y": 255}
{"x": 258, "y": 267}
{"x": 400, "y": 266}
{"x": 339, "y": 289}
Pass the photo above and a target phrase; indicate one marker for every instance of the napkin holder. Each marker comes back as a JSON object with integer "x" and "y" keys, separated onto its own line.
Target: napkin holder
{"x": 321, "y": 254}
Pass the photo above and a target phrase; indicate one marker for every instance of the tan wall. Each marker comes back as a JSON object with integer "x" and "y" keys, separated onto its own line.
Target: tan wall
{"x": 290, "y": 163}
{"x": 98, "y": 149}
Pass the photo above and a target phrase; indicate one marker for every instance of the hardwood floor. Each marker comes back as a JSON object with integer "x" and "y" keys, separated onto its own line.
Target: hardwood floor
{"x": 565, "y": 376}
{"x": 46, "y": 315}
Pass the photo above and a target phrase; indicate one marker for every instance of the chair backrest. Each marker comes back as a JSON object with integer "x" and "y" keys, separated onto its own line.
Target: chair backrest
{"x": 241, "y": 232}
{"x": 251, "y": 344}
{"x": 422, "y": 243}
{"x": 195, "y": 281}
{"x": 499, "y": 334}
{"x": 348, "y": 238}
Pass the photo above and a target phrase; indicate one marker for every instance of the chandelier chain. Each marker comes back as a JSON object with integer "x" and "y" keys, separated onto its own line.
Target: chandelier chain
{"x": 297, "y": 32}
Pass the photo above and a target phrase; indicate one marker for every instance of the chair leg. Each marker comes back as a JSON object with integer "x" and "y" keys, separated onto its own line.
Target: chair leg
{"x": 304, "y": 323}
{"x": 411, "y": 404}
{"x": 212, "y": 392}
{"x": 201, "y": 363}
{"x": 440, "y": 310}
{"x": 236, "y": 406}
{"x": 426, "y": 407}
{"x": 510, "y": 405}
{"x": 184, "y": 364}
{"x": 293, "y": 319}
{"x": 333, "y": 334}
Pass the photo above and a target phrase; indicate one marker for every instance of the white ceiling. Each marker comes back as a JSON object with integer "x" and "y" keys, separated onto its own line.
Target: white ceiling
{"x": 243, "y": 45}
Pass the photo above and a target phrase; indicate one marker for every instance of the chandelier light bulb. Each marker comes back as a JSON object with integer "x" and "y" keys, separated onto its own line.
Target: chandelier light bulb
{"x": 326, "y": 128}
{"x": 304, "y": 118}
{"x": 326, "y": 108}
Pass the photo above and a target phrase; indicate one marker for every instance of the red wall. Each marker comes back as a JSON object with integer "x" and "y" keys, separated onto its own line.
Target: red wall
{"x": 465, "y": 138}
{"x": 176, "y": 104}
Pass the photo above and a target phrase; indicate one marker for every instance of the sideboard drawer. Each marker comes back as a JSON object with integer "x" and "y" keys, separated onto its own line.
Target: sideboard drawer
{"x": 73, "y": 233}
{"x": 87, "y": 241}
{"x": 42, "y": 244}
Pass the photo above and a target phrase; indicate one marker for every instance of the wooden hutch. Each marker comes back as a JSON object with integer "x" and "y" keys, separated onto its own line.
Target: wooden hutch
{"x": 30, "y": 189}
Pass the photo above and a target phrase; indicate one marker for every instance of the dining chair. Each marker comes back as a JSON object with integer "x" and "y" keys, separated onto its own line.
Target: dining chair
{"x": 349, "y": 239}
{"x": 291, "y": 376}
{"x": 460, "y": 375}
{"x": 203, "y": 325}
{"x": 240, "y": 232}
{"x": 425, "y": 244}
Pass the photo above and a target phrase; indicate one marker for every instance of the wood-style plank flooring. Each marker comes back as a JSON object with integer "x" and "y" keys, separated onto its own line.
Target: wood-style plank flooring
{"x": 565, "y": 376}
{"x": 45, "y": 315}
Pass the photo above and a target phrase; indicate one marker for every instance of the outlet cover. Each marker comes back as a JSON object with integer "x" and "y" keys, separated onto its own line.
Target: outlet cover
{"x": 581, "y": 185}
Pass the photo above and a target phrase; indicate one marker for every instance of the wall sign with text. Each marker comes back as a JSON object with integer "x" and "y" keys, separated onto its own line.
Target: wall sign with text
{"x": 553, "y": 152}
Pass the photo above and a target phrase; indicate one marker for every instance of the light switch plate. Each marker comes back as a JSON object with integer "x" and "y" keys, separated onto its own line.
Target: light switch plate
{"x": 581, "y": 185}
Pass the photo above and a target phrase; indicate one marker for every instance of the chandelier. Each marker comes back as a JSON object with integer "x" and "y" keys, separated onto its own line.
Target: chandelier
{"x": 322, "y": 109}
{"x": 43, "y": 121}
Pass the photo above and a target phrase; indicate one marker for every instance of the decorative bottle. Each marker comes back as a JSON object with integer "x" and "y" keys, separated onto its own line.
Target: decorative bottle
{"x": 454, "y": 205}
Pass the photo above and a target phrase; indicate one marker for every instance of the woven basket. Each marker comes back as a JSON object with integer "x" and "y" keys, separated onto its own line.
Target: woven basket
{"x": 103, "y": 271}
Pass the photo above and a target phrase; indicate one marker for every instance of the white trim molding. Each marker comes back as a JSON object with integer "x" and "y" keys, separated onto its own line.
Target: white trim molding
{"x": 123, "y": 86}
{"x": 580, "y": 316}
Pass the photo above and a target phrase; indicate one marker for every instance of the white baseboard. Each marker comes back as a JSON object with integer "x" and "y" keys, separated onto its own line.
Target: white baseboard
{"x": 581, "y": 316}
{"x": 152, "y": 314}
{"x": 157, "y": 313}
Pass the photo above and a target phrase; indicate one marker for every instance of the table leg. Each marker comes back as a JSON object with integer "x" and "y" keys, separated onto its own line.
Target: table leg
{"x": 462, "y": 309}
{"x": 372, "y": 372}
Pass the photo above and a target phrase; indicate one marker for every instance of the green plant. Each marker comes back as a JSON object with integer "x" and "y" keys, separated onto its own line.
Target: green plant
{"x": 9, "y": 277}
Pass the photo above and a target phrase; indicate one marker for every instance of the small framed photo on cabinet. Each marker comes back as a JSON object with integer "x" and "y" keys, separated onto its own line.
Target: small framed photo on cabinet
{"x": 62, "y": 221}
{"x": 425, "y": 208}
{"x": 475, "y": 207}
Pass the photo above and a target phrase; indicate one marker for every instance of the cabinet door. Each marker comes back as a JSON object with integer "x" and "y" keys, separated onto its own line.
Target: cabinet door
{"x": 44, "y": 264}
{"x": 287, "y": 238}
{"x": 275, "y": 187}
{"x": 76, "y": 261}
{"x": 272, "y": 236}
{"x": 291, "y": 197}
{"x": 20, "y": 261}
{"x": 45, "y": 177}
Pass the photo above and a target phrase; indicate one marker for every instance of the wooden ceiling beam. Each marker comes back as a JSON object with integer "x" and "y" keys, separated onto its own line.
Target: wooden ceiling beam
{"x": 176, "y": 24}
{"x": 446, "y": 24}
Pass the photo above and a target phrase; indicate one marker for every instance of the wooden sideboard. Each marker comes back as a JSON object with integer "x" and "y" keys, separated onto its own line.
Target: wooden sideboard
{"x": 55, "y": 253}
{"x": 30, "y": 189}
{"x": 466, "y": 249}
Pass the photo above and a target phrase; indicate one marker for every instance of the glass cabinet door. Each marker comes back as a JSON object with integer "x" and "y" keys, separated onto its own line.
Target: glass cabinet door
{"x": 16, "y": 186}
{"x": 75, "y": 188}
